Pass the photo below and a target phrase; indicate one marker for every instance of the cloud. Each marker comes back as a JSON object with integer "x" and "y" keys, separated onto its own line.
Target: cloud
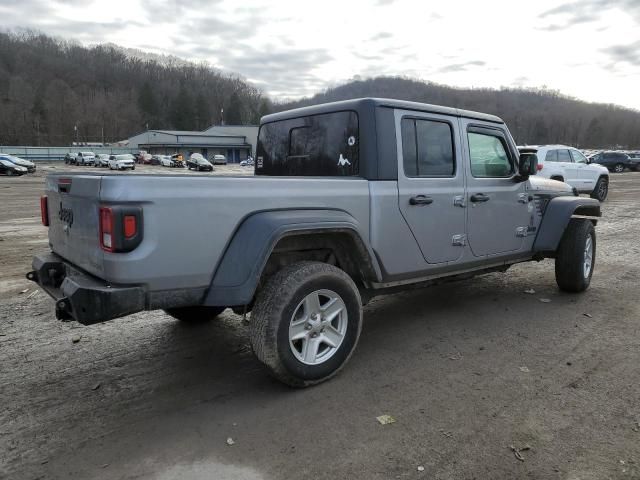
{"x": 461, "y": 67}
{"x": 580, "y": 12}
{"x": 381, "y": 36}
{"x": 629, "y": 53}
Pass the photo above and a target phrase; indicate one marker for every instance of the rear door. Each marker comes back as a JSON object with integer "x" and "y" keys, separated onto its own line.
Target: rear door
{"x": 498, "y": 213}
{"x": 431, "y": 183}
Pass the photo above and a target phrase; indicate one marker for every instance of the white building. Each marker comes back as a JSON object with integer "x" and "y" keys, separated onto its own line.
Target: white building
{"x": 236, "y": 142}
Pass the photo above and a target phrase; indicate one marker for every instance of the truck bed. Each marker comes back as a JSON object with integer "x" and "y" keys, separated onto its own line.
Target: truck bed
{"x": 188, "y": 219}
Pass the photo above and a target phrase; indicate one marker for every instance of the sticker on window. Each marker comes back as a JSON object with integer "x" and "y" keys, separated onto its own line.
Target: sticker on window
{"x": 343, "y": 161}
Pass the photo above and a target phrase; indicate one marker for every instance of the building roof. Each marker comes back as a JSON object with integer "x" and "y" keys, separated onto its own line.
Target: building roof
{"x": 191, "y": 133}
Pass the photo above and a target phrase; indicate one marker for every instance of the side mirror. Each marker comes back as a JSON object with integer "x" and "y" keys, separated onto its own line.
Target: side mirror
{"x": 527, "y": 164}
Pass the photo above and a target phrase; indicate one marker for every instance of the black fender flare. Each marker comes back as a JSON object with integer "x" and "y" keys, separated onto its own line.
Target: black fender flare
{"x": 237, "y": 275}
{"x": 557, "y": 214}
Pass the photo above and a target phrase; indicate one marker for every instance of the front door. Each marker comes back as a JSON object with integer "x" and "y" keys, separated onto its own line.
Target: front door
{"x": 499, "y": 211}
{"x": 571, "y": 175}
{"x": 586, "y": 176}
{"x": 431, "y": 184}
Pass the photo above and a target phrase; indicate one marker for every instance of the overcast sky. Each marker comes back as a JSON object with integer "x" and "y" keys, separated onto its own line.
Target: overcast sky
{"x": 589, "y": 49}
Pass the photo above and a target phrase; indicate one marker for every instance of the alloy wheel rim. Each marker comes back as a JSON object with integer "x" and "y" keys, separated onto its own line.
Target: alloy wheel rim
{"x": 603, "y": 189}
{"x": 318, "y": 327}
{"x": 619, "y": 168}
{"x": 588, "y": 256}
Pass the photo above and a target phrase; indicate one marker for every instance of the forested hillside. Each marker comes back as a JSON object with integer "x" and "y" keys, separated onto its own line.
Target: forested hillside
{"x": 533, "y": 116}
{"x": 48, "y": 86}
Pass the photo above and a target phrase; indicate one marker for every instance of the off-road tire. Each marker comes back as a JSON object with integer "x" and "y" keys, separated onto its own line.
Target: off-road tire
{"x": 601, "y": 190}
{"x": 570, "y": 256}
{"x": 195, "y": 314}
{"x": 274, "y": 308}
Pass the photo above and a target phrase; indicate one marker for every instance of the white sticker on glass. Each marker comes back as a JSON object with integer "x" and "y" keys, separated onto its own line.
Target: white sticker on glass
{"x": 343, "y": 161}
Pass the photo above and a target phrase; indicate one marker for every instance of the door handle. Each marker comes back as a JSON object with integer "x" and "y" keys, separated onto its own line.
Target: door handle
{"x": 420, "y": 200}
{"x": 479, "y": 197}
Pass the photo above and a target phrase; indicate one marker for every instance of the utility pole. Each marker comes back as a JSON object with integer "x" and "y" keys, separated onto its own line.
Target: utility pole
{"x": 222, "y": 116}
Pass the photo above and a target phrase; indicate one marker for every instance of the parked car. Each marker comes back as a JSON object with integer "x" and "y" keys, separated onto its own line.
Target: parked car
{"x": 70, "y": 158}
{"x": 166, "y": 161}
{"x": 177, "y": 160}
{"x": 615, "y": 161}
{"x": 373, "y": 215}
{"x": 199, "y": 163}
{"x": 102, "y": 160}
{"x": 568, "y": 164}
{"x": 29, "y": 165}
{"x": 156, "y": 159}
{"x": 122, "y": 162}
{"x": 85, "y": 158}
{"x": 247, "y": 163}
{"x": 219, "y": 160}
{"x": 635, "y": 159}
{"x": 10, "y": 168}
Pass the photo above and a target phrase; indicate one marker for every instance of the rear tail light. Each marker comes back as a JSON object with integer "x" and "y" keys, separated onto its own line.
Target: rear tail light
{"x": 44, "y": 210}
{"x": 120, "y": 228}
{"x": 106, "y": 229}
{"x": 540, "y": 165}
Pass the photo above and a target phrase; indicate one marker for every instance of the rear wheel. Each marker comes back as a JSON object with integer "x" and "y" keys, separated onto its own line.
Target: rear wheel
{"x": 601, "y": 189}
{"x": 195, "y": 314}
{"x": 618, "y": 168}
{"x": 576, "y": 255}
{"x": 306, "y": 322}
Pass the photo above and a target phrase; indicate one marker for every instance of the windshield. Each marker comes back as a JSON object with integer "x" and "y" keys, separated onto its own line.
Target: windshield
{"x": 124, "y": 157}
{"x": 84, "y": 154}
{"x": 316, "y": 145}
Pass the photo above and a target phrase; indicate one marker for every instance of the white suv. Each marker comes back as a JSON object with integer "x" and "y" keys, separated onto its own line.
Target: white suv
{"x": 569, "y": 165}
{"x": 121, "y": 162}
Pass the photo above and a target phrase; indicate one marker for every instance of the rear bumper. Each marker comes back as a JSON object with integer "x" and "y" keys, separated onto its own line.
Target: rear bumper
{"x": 82, "y": 297}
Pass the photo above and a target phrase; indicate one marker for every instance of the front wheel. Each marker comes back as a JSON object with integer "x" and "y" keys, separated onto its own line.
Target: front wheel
{"x": 576, "y": 256}
{"x": 601, "y": 189}
{"x": 306, "y": 322}
{"x": 196, "y": 314}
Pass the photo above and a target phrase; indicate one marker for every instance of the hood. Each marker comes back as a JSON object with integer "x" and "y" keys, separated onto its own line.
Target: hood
{"x": 542, "y": 184}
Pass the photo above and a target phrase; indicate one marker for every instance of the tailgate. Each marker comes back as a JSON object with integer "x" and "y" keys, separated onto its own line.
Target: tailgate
{"x": 73, "y": 203}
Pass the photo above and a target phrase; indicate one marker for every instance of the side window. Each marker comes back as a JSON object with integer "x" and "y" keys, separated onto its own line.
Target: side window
{"x": 427, "y": 148}
{"x": 552, "y": 156}
{"x": 578, "y": 157}
{"x": 488, "y": 156}
{"x": 563, "y": 156}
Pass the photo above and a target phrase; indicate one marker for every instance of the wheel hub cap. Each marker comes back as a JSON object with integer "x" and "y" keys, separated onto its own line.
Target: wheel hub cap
{"x": 318, "y": 327}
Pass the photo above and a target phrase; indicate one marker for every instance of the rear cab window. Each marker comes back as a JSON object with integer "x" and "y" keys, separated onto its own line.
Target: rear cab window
{"x": 315, "y": 145}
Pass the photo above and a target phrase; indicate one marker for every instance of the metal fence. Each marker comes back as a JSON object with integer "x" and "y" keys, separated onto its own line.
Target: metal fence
{"x": 58, "y": 153}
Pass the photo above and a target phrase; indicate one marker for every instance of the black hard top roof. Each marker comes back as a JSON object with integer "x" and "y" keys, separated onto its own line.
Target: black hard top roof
{"x": 361, "y": 104}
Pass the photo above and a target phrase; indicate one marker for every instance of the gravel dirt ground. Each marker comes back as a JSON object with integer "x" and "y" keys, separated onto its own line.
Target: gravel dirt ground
{"x": 470, "y": 371}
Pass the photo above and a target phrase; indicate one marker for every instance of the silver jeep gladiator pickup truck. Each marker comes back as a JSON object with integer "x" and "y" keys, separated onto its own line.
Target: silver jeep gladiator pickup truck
{"x": 349, "y": 200}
